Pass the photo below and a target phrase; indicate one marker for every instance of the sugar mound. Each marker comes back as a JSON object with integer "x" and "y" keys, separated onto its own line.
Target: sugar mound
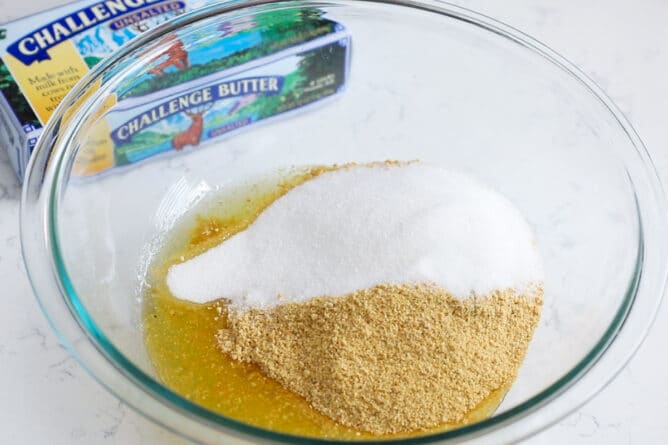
{"x": 361, "y": 226}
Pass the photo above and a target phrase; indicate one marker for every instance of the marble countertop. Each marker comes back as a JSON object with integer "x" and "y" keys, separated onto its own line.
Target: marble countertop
{"x": 45, "y": 396}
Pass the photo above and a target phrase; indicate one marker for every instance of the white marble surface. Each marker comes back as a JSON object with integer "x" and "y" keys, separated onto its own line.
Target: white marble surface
{"x": 45, "y": 397}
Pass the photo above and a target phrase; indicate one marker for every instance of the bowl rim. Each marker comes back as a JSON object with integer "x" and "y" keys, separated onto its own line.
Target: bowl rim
{"x": 75, "y": 323}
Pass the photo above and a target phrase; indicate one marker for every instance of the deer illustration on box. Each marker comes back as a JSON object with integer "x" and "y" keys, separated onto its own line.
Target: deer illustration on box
{"x": 176, "y": 54}
{"x": 193, "y": 134}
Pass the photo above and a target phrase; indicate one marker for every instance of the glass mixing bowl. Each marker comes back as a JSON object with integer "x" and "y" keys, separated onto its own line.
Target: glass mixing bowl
{"x": 426, "y": 80}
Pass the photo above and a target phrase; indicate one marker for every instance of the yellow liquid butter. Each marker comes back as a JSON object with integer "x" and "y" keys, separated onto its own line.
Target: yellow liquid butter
{"x": 180, "y": 336}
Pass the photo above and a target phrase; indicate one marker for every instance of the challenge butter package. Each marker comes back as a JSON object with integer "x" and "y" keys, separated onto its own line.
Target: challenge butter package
{"x": 198, "y": 87}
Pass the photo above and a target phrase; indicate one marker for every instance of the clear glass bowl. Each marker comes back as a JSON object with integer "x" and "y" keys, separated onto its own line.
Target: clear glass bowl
{"x": 427, "y": 80}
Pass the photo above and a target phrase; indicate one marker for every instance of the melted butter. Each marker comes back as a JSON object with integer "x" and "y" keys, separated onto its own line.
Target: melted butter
{"x": 180, "y": 336}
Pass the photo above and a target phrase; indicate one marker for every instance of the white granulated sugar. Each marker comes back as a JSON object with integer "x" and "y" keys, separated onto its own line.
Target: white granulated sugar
{"x": 361, "y": 226}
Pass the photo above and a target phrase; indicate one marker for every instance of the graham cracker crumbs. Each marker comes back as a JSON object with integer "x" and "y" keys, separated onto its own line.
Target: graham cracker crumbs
{"x": 392, "y": 358}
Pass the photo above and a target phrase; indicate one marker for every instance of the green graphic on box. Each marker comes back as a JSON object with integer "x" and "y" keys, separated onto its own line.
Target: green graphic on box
{"x": 222, "y": 46}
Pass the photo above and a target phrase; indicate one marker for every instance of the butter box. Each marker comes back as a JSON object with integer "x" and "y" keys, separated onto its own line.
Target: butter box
{"x": 42, "y": 56}
{"x": 197, "y": 86}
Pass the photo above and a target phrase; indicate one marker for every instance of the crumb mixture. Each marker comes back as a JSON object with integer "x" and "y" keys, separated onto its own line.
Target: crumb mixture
{"x": 391, "y": 358}
{"x": 360, "y": 301}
